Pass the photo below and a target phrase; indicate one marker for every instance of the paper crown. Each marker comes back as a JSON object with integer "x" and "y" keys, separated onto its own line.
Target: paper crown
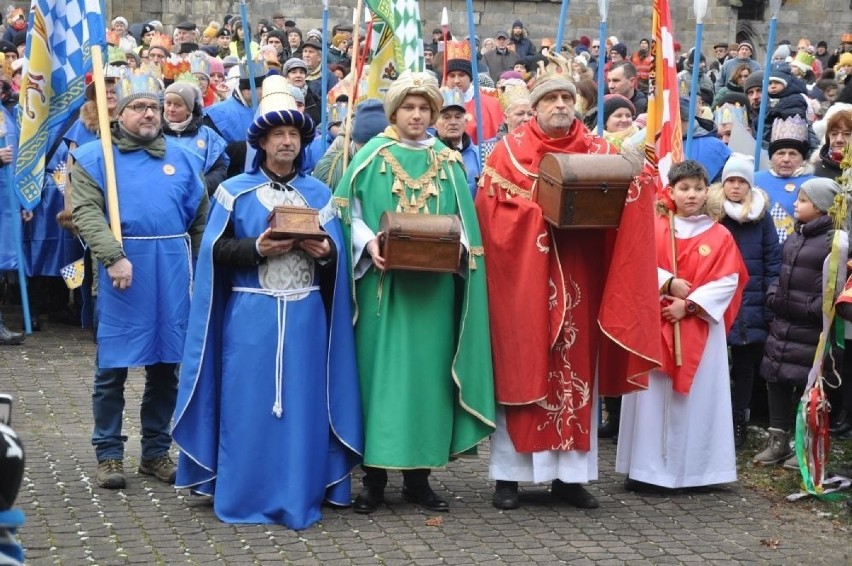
{"x": 452, "y": 97}
{"x": 729, "y": 113}
{"x": 188, "y": 78}
{"x": 793, "y": 128}
{"x": 199, "y": 62}
{"x": 337, "y": 112}
{"x": 112, "y": 38}
{"x": 457, "y": 50}
{"x": 512, "y": 91}
{"x": 253, "y": 68}
{"x": 116, "y": 55}
{"x": 174, "y": 66}
{"x": 806, "y": 58}
{"x": 161, "y": 40}
{"x": 137, "y": 84}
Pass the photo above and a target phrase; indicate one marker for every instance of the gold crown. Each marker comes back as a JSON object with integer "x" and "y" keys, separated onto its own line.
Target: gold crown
{"x": 556, "y": 66}
{"x": 512, "y": 91}
{"x": 458, "y": 50}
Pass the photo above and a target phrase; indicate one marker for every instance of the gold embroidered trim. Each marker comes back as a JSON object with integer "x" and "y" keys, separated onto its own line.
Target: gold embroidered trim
{"x": 422, "y": 189}
{"x": 505, "y": 184}
{"x": 477, "y": 250}
{"x": 341, "y": 202}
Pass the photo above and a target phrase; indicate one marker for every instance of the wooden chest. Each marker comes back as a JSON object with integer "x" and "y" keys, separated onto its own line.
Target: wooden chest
{"x": 421, "y": 242}
{"x": 584, "y": 191}
{"x": 296, "y": 222}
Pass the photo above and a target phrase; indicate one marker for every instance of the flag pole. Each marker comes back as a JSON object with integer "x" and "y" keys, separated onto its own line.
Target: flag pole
{"x": 347, "y": 136}
{"x": 474, "y": 67}
{"x": 14, "y": 210}
{"x": 700, "y": 8}
{"x": 106, "y": 142}
{"x": 560, "y": 31}
{"x": 324, "y": 77}
{"x": 249, "y": 58}
{"x": 445, "y": 29}
{"x": 774, "y": 8}
{"x": 603, "y": 8}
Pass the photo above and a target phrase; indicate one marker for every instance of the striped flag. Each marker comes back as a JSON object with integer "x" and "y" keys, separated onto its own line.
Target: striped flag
{"x": 60, "y": 36}
{"x": 664, "y": 139}
{"x": 403, "y": 17}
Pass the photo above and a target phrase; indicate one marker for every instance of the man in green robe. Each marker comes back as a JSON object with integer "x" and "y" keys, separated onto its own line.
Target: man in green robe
{"x": 424, "y": 352}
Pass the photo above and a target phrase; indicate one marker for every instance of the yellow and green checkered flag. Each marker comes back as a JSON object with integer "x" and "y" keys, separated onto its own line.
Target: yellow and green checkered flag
{"x": 403, "y": 17}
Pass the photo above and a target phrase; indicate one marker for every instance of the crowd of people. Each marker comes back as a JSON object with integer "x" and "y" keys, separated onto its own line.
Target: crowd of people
{"x": 282, "y": 360}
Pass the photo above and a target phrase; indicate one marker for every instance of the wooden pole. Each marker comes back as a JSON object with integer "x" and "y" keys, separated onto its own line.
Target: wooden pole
{"x": 678, "y": 355}
{"x": 347, "y": 136}
{"x": 106, "y": 142}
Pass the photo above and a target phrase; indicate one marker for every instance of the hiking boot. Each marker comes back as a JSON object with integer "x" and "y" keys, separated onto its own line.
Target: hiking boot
{"x": 111, "y": 474}
{"x": 777, "y": 448}
{"x": 162, "y": 468}
{"x": 740, "y": 429}
{"x": 791, "y": 463}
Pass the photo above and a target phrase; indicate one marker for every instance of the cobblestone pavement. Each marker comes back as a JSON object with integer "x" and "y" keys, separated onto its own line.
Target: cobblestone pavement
{"x": 71, "y": 521}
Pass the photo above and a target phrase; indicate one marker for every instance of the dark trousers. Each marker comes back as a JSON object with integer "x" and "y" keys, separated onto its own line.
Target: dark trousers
{"x": 783, "y": 401}
{"x": 745, "y": 365}
{"x": 378, "y": 477}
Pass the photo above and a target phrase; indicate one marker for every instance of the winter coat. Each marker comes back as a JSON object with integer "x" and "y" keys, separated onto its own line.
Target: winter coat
{"x": 499, "y": 62}
{"x": 758, "y": 244}
{"x": 707, "y": 148}
{"x": 730, "y": 87}
{"x": 796, "y": 299}
{"x": 789, "y": 102}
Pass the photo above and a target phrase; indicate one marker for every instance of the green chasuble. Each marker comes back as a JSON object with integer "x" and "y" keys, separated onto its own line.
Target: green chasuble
{"x": 424, "y": 350}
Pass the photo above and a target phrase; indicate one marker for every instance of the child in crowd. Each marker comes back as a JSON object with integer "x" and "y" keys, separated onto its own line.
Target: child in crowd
{"x": 678, "y": 433}
{"x": 743, "y": 208}
{"x": 797, "y": 300}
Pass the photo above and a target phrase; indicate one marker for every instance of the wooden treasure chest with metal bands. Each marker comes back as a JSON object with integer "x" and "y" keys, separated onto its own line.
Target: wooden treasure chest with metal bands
{"x": 421, "y": 242}
{"x": 582, "y": 190}
{"x": 298, "y": 222}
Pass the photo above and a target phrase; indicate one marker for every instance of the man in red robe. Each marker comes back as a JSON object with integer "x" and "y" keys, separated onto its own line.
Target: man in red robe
{"x": 575, "y": 314}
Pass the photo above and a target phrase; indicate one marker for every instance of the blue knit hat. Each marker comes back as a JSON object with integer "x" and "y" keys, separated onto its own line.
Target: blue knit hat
{"x": 370, "y": 121}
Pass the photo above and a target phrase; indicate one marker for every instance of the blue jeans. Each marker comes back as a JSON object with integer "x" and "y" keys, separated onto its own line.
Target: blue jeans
{"x": 158, "y": 405}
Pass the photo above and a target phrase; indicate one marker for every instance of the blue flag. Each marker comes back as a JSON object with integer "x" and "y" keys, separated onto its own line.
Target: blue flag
{"x": 60, "y": 36}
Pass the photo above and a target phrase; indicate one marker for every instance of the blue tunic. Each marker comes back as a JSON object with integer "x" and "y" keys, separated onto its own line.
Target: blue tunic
{"x": 10, "y": 217}
{"x": 268, "y": 415}
{"x": 158, "y": 201}
{"x": 232, "y": 118}
{"x": 782, "y": 194}
{"x": 206, "y": 145}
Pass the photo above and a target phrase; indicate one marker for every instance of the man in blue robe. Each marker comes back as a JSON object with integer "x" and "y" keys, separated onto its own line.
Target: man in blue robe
{"x": 145, "y": 279}
{"x": 268, "y": 418}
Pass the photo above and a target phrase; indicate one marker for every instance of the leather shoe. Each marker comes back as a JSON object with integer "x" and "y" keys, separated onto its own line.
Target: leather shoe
{"x": 574, "y": 494}
{"x": 368, "y": 500}
{"x": 641, "y": 487}
{"x": 506, "y": 495}
{"x": 10, "y": 338}
{"x": 423, "y": 496}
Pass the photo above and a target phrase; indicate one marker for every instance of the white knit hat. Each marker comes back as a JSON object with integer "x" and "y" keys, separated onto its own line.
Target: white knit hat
{"x": 739, "y": 165}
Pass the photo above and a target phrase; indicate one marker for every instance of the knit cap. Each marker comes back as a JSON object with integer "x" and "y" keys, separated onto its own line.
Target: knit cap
{"x": 845, "y": 59}
{"x": 782, "y": 52}
{"x": 739, "y": 165}
{"x": 821, "y": 191}
{"x": 548, "y": 84}
{"x": 621, "y": 49}
{"x": 188, "y": 92}
{"x": 294, "y": 63}
{"x": 370, "y": 121}
{"x": 754, "y": 80}
{"x": 613, "y": 102}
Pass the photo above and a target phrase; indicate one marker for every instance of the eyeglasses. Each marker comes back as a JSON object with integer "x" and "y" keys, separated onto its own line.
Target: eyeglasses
{"x": 142, "y": 108}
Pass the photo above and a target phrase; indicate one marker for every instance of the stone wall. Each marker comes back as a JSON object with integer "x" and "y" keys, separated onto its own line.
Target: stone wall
{"x": 629, "y": 21}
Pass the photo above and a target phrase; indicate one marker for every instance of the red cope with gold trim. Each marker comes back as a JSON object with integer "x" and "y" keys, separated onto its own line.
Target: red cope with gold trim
{"x": 563, "y": 304}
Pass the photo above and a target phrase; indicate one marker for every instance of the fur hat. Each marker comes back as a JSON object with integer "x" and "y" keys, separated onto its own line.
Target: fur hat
{"x": 821, "y": 191}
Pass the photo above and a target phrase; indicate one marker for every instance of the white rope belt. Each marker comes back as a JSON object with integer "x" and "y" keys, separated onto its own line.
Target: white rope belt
{"x": 283, "y": 296}
{"x": 187, "y": 244}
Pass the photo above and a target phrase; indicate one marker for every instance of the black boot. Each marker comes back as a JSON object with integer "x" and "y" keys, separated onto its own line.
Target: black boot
{"x": 416, "y": 489}
{"x": 574, "y": 494}
{"x": 373, "y": 491}
{"x": 506, "y": 495}
{"x": 609, "y": 428}
{"x": 740, "y": 428}
{"x": 8, "y": 337}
